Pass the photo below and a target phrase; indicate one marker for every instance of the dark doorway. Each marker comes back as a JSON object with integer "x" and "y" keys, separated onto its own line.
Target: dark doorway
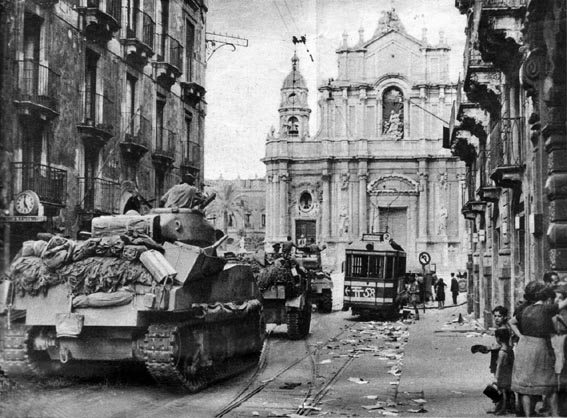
{"x": 307, "y": 228}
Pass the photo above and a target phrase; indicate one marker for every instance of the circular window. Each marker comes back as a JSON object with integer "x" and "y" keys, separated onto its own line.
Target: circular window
{"x": 305, "y": 201}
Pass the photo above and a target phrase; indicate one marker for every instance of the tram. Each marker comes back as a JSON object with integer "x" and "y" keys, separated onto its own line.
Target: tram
{"x": 374, "y": 270}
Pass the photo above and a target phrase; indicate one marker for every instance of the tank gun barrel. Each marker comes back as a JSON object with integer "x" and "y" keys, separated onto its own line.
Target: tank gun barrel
{"x": 207, "y": 201}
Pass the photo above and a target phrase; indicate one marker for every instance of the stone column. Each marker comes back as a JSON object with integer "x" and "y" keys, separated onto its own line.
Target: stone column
{"x": 268, "y": 210}
{"x": 276, "y": 207}
{"x": 423, "y": 199}
{"x": 283, "y": 206}
{"x": 326, "y": 215}
{"x": 362, "y": 210}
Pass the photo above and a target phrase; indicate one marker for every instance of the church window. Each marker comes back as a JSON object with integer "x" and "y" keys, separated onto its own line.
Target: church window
{"x": 305, "y": 201}
{"x": 293, "y": 126}
{"x": 393, "y": 113}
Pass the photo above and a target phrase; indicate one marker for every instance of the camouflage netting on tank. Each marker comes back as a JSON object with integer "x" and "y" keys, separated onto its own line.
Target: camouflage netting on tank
{"x": 271, "y": 275}
{"x": 86, "y": 276}
{"x": 95, "y": 265}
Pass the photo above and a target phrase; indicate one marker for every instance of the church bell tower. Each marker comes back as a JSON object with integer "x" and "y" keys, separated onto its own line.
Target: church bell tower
{"x": 294, "y": 110}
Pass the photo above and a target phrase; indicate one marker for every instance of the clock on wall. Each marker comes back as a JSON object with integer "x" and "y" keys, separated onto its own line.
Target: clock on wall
{"x": 26, "y": 203}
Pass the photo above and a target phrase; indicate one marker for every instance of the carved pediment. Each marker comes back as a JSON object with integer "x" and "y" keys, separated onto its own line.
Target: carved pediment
{"x": 393, "y": 184}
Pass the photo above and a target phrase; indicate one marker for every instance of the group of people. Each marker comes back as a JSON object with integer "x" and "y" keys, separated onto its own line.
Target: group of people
{"x": 287, "y": 247}
{"x": 419, "y": 289}
{"x": 528, "y": 356}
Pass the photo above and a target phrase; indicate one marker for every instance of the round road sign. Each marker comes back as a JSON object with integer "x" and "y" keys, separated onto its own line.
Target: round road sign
{"x": 424, "y": 258}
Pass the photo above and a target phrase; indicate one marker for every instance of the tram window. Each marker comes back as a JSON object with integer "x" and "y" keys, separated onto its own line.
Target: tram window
{"x": 389, "y": 267}
{"x": 376, "y": 266}
{"x": 359, "y": 265}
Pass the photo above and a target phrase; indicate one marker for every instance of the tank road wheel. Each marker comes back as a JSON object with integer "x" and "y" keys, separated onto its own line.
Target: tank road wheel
{"x": 326, "y": 303}
{"x": 169, "y": 359}
{"x": 19, "y": 358}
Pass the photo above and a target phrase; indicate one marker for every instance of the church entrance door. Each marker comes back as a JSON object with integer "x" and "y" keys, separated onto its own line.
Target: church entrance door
{"x": 307, "y": 228}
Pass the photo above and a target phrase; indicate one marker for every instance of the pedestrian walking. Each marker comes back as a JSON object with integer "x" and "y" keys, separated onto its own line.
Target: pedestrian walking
{"x": 440, "y": 293}
{"x": 287, "y": 247}
{"x": 414, "y": 295}
{"x": 454, "y": 288}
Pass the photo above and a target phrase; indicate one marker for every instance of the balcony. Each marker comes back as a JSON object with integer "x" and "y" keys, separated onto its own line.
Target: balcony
{"x": 489, "y": 193}
{"x": 191, "y": 158}
{"x": 169, "y": 60}
{"x": 192, "y": 93}
{"x": 139, "y": 41}
{"x": 505, "y": 156}
{"x": 101, "y": 19}
{"x": 48, "y": 182}
{"x": 137, "y": 133}
{"x": 98, "y": 196}
{"x": 96, "y": 115}
{"x": 500, "y": 32}
{"x": 37, "y": 91}
{"x": 163, "y": 154}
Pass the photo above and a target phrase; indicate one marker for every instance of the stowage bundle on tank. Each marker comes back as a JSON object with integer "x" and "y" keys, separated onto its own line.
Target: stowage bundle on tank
{"x": 95, "y": 265}
{"x": 273, "y": 274}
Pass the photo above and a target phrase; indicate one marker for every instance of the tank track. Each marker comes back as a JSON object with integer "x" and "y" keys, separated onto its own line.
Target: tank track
{"x": 159, "y": 348}
{"x": 15, "y": 359}
{"x": 159, "y": 354}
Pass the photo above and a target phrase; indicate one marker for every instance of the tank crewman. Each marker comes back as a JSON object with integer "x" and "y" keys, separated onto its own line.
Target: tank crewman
{"x": 182, "y": 195}
{"x": 287, "y": 246}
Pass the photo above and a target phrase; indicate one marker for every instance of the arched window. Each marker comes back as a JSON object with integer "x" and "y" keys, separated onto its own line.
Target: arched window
{"x": 293, "y": 126}
{"x": 393, "y": 113}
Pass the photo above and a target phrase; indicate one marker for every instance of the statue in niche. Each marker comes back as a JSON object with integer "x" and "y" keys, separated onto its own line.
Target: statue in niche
{"x": 442, "y": 228}
{"x": 345, "y": 178}
{"x": 393, "y": 113}
{"x": 305, "y": 201}
{"x": 343, "y": 221}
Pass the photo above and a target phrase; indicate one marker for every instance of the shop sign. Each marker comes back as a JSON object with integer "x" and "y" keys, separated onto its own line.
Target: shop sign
{"x": 13, "y": 219}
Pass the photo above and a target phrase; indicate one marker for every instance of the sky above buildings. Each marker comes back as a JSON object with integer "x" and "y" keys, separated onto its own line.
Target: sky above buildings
{"x": 243, "y": 87}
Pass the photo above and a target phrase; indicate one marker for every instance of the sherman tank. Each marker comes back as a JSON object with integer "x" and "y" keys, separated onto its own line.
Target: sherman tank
{"x": 148, "y": 289}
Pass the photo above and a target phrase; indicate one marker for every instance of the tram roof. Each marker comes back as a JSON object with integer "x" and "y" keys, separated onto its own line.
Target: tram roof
{"x": 379, "y": 246}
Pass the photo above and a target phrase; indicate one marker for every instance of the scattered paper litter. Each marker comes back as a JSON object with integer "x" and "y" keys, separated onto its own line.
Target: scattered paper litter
{"x": 255, "y": 413}
{"x": 420, "y": 400}
{"x": 417, "y": 411}
{"x": 357, "y": 380}
{"x": 372, "y": 407}
{"x": 457, "y": 392}
{"x": 371, "y": 396}
{"x": 388, "y": 413}
{"x": 314, "y": 408}
{"x": 327, "y": 361}
{"x": 394, "y": 383}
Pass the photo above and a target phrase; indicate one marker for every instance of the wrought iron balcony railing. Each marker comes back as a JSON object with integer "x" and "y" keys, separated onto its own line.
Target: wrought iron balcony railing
{"x": 99, "y": 195}
{"x": 192, "y": 154}
{"x": 165, "y": 143}
{"x": 170, "y": 51}
{"x": 137, "y": 129}
{"x": 141, "y": 27}
{"x": 110, "y": 7}
{"x": 97, "y": 110}
{"x": 503, "y": 151}
{"x": 48, "y": 182}
{"x": 504, "y": 4}
{"x": 37, "y": 84}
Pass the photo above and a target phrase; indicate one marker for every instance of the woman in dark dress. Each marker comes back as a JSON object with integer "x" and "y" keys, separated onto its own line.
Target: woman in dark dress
{"x": 440, "y": 293}
{"x": 534, "y": 373}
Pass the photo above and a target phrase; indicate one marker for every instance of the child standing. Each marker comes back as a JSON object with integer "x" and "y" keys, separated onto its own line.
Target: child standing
{"x": 504, "y": 366}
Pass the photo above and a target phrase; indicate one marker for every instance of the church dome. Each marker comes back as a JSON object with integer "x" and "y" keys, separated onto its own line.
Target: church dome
{"x": 294, "y": 79}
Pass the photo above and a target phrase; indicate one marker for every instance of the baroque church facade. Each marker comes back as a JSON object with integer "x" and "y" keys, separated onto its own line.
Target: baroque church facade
{"x": 376, "y": 163}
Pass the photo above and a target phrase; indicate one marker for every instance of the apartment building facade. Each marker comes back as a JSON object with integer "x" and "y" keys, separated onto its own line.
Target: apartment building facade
{"x": 509, "y": 129}
{"x": 102, "y": 109}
